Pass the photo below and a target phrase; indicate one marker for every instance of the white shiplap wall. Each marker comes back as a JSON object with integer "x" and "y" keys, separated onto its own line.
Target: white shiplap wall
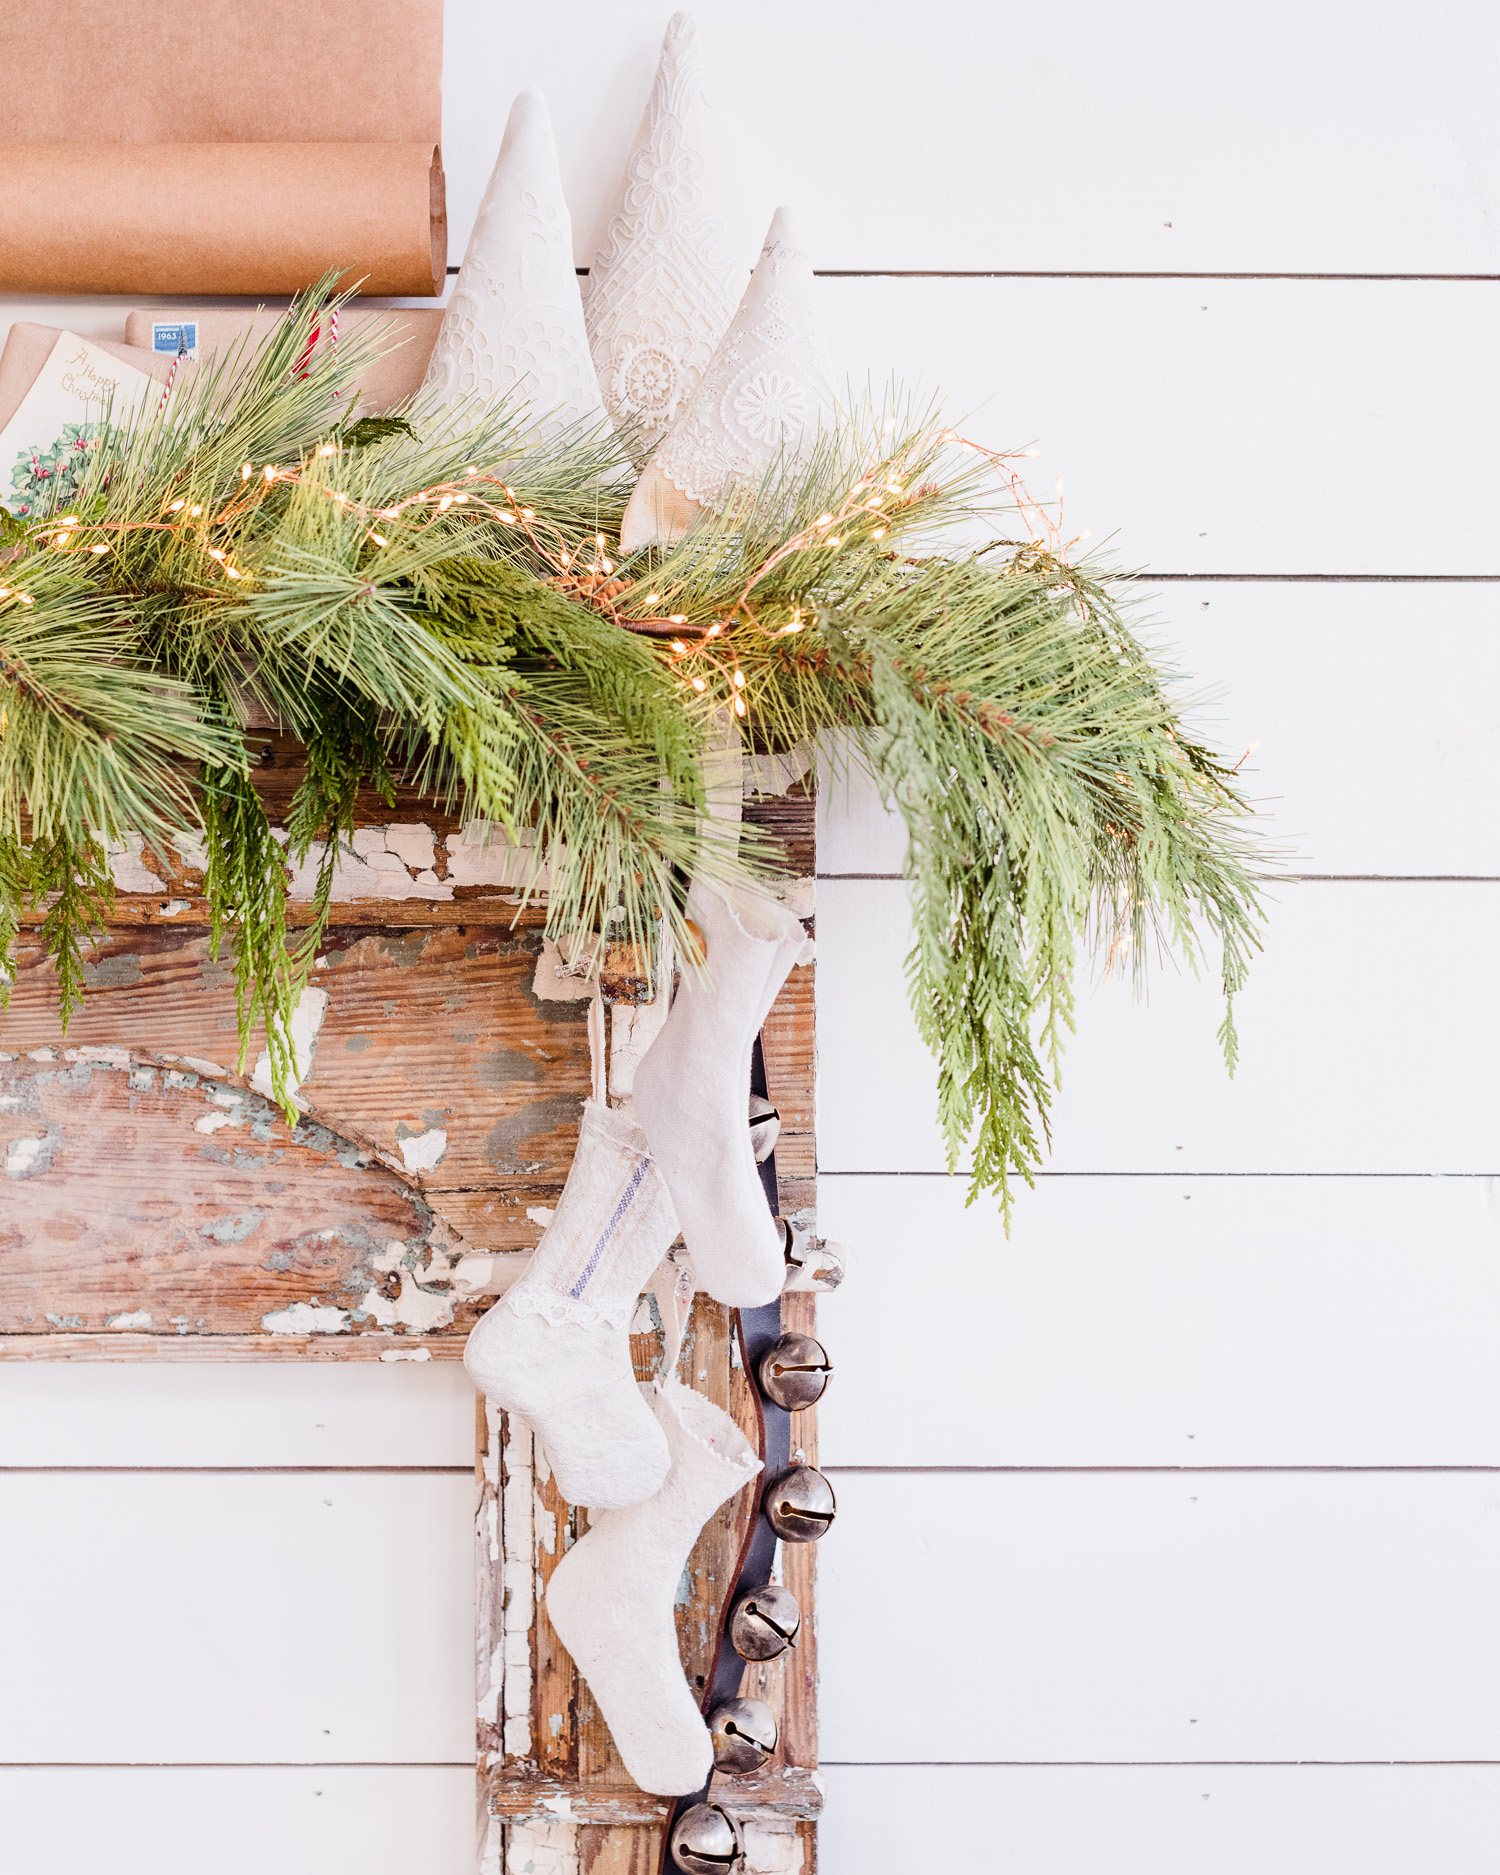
{"x": 1187, "y": 1494}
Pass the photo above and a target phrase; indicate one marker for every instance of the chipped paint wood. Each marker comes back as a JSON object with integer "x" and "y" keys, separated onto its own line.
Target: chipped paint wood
{"x": 152, "y": 1200}
{"x": 561, "y": 1762}
{"x": 452, "y": 1091}
{"x": 618, "y": 1851}
{"x": 426, "y": 1031}
{"x": 161, "y": 1208}
{"x": 114, "y": 1346}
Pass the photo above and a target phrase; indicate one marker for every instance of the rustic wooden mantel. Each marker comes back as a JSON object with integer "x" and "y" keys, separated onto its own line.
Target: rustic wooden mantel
{"x": 157, "y": 1205}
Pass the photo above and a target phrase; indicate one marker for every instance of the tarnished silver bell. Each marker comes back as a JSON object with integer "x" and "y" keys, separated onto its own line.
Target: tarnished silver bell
{"x": 744, "y": 1735}
{"x": 764, "y": 1623}
{"x": 765, "y": 1128}
{"x": 799, "y": 1504}
{"x": 795, "y": 1371}
{"x": 708, "y": 1841}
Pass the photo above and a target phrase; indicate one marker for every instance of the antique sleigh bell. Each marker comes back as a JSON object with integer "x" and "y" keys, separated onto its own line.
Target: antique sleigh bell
{"x": 795, "y": 1371}
{"x": 764, "y": 1623}
{"x": 799, "y": 1504}
{"x": 744, "y": 1735}
{"x": 708, "y": 1841}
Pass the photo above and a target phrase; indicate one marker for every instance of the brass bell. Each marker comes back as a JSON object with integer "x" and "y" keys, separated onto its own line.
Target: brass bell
{"x": 744, "y": 1735}
{"x": 799, "y": 1504}
{"x": 708, "y": 1841}
{"x": 765, "y": 1128}
{"x": 794, "y": 1371}
{"x": 764, "y": 1623}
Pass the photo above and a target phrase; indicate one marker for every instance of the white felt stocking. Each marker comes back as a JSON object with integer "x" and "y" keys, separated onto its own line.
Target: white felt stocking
{"x": 611, "y": 1597}
{"x": 692, "y": 1087}
{"x": 555, "y": 1349}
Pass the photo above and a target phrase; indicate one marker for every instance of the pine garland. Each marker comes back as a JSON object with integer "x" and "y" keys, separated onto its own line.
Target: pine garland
{"x": 434, "y": 600}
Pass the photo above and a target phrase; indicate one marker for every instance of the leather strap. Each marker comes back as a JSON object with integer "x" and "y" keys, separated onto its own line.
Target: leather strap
{"x": 757, "y": 1329}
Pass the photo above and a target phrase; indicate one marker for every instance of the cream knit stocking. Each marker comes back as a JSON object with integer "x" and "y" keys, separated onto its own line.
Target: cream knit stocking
{"x": 555, "y": 1349}
{"x": 611, "y": 1597}
{"x": 692, "y": 1087}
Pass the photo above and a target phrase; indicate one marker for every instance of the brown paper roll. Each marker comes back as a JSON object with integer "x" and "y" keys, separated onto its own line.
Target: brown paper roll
{"x": 222, "y": 71}
{"x": 221, "y": 217}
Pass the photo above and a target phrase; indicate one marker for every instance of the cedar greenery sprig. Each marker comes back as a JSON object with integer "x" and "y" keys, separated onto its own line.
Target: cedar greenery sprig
{"x": 432, "y": 599}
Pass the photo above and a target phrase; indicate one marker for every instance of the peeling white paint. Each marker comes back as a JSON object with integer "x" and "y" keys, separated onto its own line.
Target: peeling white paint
{"x": 772, "y": 1847}
{"x": 102, "y": 1057}
{"x": 518, "y": 1530}
{"x": 774, "y": 774}
{"x": 42, "y": 1054}
{"x": 142, "y": 1078}
{"x": 367, "y": 868}
{"x": 303, "y": 1318}
{"x": 413, "y": 1308}
{"x": 129, "y": 1319}
{"x": 559, "y": 979}
{"x": 192, "y": 851}
{"x": 542, "y": 1214}
{"x": 491, "y": 1846}
{"x": 307, "y": 1019}
{"x": 127, "y": 868}
{"x": 169, "y": 908}
{"x": 542, "y": 1849}
{"x": 406, "y": 1354}
{"x": 423, "y": 1152}
{"x": 21, "y": 1155}
{"x": 195, "y": 1064}
{"x": 800, "y": 896}
{"x": 415, "y": 845}
{"x": 211, "y": 1122}
{"x": 482, "y": 855}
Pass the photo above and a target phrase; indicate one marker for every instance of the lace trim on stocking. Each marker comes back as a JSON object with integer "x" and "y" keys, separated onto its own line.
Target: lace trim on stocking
{"x": 529, "y": 1297}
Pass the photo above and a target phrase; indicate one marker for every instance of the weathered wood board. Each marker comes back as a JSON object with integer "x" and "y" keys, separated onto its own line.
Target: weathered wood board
{"x": 442, "y": 1097}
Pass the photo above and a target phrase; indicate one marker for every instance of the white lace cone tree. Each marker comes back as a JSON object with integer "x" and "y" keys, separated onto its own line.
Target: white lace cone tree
{"x": 672, "y": 266}
{"x": 515, "y": 321}
{"x": 759, "y": 404}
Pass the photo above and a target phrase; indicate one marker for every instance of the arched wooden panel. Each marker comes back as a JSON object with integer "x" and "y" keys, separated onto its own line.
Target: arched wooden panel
{"x": 145, "y": 1199}
{"x": 436, "y": 1081}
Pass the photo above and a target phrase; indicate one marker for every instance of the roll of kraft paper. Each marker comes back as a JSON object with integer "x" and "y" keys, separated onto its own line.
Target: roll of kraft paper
{"x": 221, "y": 217}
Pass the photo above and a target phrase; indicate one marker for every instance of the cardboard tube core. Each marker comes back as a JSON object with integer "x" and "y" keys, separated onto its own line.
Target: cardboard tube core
{"x": 241, "y": 218}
